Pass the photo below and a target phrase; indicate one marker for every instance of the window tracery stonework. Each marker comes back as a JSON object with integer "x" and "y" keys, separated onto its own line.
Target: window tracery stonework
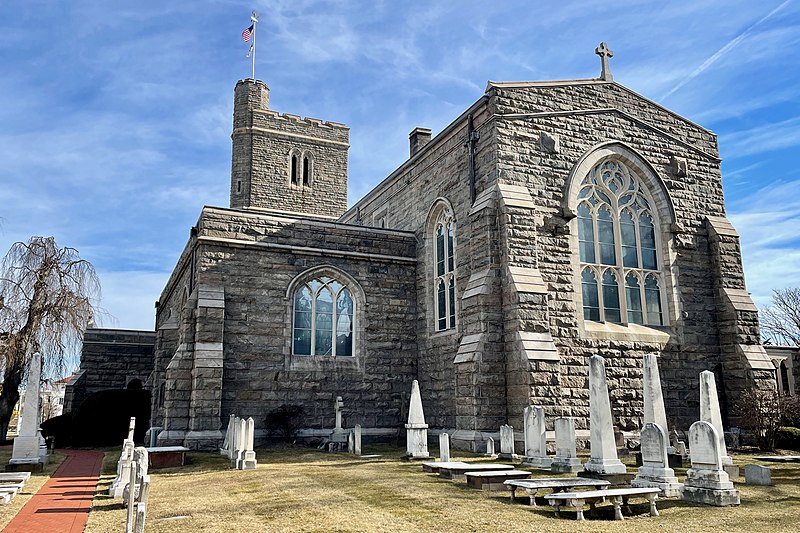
{"x": 621, "y": 268}
{"x": 324, "y": 312}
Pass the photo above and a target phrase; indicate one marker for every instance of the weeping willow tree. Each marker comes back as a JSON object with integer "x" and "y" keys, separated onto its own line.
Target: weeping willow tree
{"x": 48, "y": 296}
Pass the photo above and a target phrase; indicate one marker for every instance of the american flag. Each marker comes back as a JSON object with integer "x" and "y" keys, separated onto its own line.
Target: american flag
{"x": 246, "y": 34}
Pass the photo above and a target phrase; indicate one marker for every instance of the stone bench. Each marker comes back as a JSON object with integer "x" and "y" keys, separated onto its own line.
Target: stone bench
{"x": 166, "y": 456}
{"x": 619, "y": 497}
{"x": 493, "y": 479}
{"x": 456, "y": 472}
{"x": 433, "y": 467}
{"x": 533, "y": 486}
{"x": 15, "y": 477}
{"x": 5, "y": 497}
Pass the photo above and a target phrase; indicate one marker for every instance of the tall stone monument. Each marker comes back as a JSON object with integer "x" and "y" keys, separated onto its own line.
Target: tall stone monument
{"x": 566, "y": 458}
{"x": 709, "y": 411}
{"x": 604, "y": 458}
{"x": 655, "y": 470}
{"x": 535, "y": 438}
{"x": 416, "y": 428}
{"x": 654, "y": 411}
{"x": 248, "y": 456}
{"x": 706, "y": 481}
{"x": 27, "y": 453}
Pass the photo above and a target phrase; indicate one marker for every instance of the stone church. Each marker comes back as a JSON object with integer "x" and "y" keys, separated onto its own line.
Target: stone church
{"x": 550, "y": 221}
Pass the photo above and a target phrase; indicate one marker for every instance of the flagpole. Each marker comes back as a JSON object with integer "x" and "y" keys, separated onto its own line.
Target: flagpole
{"x": 254, "y": 18}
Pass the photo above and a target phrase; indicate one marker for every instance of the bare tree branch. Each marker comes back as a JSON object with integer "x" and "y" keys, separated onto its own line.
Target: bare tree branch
{"x": 49, "y": 296}
{"x": 780, "y": 322}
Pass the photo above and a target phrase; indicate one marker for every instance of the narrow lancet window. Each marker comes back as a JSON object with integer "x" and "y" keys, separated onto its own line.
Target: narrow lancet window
{"x": 444, "y": 271}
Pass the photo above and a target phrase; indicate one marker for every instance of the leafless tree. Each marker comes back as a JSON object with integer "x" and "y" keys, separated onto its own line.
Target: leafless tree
{"x": 780, "y": 322}
{"x": 48, "y": 296}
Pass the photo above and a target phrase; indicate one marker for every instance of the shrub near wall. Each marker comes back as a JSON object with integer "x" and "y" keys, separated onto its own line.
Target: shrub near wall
{"x": 788, "y": 438}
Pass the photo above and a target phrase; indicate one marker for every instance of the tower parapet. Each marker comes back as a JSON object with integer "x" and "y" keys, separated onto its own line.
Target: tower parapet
{"x": 283, "y": 161}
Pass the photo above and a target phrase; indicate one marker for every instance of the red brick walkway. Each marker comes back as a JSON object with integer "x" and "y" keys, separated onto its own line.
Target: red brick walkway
{"x": 62, "y": 505}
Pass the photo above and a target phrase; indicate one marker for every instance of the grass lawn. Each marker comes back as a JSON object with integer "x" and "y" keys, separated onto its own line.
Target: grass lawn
{"x": 306, "y": 490}
{"x": 7, "y": 512}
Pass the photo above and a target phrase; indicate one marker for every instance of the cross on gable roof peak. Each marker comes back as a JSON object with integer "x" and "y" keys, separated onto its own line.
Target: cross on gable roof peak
{"x": 604, "y": 52}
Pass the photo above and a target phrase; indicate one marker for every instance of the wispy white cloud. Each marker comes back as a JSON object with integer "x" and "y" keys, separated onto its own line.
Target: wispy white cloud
{"x": 760, "y": 139}
{"x": 730, "y": 45}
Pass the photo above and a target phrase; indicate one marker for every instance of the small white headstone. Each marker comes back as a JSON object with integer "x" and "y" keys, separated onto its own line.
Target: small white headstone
{"x": 338, "y": 405}
{"x": 357, "y": 439}
{"x": 117, "y": 487}
{"x": 566, "y": 458}
{"x": 490, "y": 447}
{"x": 535, "y": 438}
{"x": 351, "y": 442}
{"x": 248, "y": 461}
{"x": 444, "y": 447}
{"x": 757, "y": 475}
{"x": 507, "y": 443}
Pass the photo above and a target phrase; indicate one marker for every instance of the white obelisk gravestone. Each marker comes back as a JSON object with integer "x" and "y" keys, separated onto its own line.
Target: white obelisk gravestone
{"x": 654, "y": 411}
{"x": 709, "y": 411}
{"x": 26, "y": 445}
{"x": 416, "y": 428}
{"x": 604, "y": 458}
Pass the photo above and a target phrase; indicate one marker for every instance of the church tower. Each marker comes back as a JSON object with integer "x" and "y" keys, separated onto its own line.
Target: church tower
{"x": 284, "y": 162}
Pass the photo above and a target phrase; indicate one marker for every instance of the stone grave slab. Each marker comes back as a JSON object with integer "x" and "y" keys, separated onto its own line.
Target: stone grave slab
{"x": 556, "y": 484}
{"x": 494, "y": 479}
{"x": 433, "y": 467}
{"x": 456, "y": 472}
{"x": 166, "y": 456}
{"x": 619, "y": 497}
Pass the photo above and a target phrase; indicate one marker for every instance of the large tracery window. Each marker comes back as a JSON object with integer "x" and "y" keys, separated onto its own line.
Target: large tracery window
{"x": 444, "y": 272}
{"x": 621, "y": 278}
{"x": 323, "y": 318}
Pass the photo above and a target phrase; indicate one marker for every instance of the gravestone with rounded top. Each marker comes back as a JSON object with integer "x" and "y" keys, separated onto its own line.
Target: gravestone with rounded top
{"x": 706, "y": 481}
{"x": 655, "y": 470}
{"x": 535, "y": 438}
{"x": 507, "y": 443}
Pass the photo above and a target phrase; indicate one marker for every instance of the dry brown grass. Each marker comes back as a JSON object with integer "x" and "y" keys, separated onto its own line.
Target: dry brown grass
{"x": 7, "y": 512}
{"x": 305, "y": 490}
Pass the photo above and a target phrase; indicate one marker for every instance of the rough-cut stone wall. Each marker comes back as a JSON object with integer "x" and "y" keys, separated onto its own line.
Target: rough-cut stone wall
{"x": 110, "y": 359}
{"x": 583, "y": 117}
{"x": 470, "y": 394}
{"x": 263, "y": 141}
{"x": 255, "y": 257}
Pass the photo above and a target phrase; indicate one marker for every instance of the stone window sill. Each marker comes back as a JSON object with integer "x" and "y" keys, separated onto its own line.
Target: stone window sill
{"x": 324, "y": 362}
{"x": 626, "y": 332}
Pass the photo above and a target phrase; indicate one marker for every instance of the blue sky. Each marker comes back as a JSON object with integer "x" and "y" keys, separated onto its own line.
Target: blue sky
{"x": 115, "y": 118}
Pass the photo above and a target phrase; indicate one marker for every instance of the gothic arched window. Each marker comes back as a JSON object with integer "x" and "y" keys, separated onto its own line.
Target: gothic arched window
{"x": 444, "y": 271}
{"x": 621, "y": 278}
{"x": 324, "y": 311}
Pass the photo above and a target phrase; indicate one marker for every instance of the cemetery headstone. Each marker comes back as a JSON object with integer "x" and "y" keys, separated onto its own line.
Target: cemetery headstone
{"x": 123, "y": 470}
{"x": 490, "y": 448}
{"x": 706, "y": 481}
{"x": 351, "y": 442}
{"x": 444, "y": 447}
{"x": 757, "y": 475}
{"x": 235, "y": 446}
{"x": 507, "y": 443}
{"x": 604, "y": 458}
{"x": 709, "y": 411}
{"x": 338, "y": 405}
{"x": 535, "y": 438}
{"x": 248, "y": 455}
{"x": 655, "y": 470}
{"x": 654, "y": 410}
{"x": 357, "y": 439}
{"x": 416, "y": 428}
{"x": 226, "y": 444}
{"x": 566, "y": 458}
{"x": 27, "y": 453}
